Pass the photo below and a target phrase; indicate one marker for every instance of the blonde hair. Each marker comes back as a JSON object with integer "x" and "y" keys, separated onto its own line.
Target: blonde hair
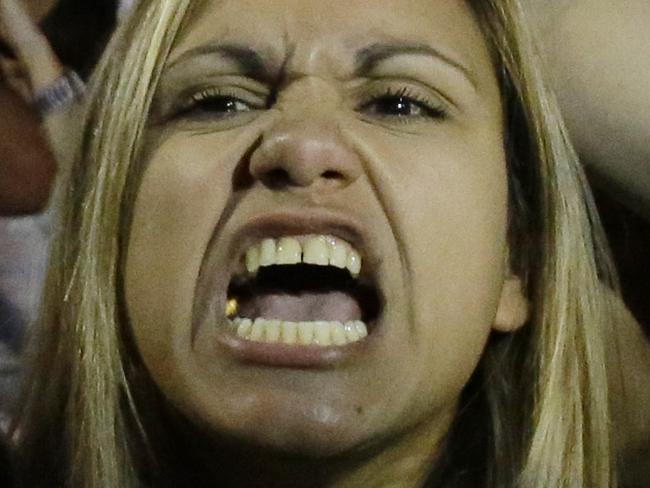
{"x": 545, "y": 388}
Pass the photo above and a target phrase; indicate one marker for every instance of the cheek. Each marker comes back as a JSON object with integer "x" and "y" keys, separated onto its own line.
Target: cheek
{"x": 457, "y": 229}
{"x": 457, "y": 264}
{"x": 183, "y": 192}
{"x": 449, "y": 196}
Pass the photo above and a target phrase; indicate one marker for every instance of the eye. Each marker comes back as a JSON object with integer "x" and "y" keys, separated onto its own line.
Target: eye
{"x": 403, "y": 104}
{"x": 220, "y": 103}
{"x": 223, "y": 104}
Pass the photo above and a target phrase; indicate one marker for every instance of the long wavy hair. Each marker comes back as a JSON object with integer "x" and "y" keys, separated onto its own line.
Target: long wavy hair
{"x": 539, "y": 396}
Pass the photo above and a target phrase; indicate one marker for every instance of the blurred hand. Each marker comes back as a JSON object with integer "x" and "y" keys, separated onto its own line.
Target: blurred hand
{"x": 27, "y": 166}
{"x": 32, "y": 49}
{"x": 35, "y": 68}
{"x": 598, "y": 57}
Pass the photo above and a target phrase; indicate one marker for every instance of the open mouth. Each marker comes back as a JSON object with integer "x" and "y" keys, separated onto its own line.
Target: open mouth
{"x": 304, "y": 291}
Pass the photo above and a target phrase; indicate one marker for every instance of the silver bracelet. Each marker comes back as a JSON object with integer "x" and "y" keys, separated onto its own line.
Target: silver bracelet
{"x": 64, "y": 91}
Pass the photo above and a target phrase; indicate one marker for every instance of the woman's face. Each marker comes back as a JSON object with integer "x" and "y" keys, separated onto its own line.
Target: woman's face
{"x": 336, "y": 128}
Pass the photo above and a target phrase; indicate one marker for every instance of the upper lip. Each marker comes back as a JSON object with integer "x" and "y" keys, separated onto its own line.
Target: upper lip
{"x": 303, "y": 222}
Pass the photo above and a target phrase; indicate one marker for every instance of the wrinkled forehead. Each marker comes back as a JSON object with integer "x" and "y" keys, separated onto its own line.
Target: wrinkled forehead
{"x": 325, "y": 35}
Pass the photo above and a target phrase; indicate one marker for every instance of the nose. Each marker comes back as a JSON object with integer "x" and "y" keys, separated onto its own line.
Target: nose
{"x": 305, "y": 153}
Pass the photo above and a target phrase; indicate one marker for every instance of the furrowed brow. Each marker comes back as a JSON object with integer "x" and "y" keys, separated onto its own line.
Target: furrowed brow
{"x": 248, "y": 61}
{"x": 368, "y": 58}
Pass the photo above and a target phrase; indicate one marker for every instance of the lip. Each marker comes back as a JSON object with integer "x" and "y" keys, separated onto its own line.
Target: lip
{"x": 289, "y": 356}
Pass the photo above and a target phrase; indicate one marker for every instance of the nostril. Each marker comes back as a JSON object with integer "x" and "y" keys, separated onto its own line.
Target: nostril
{"x": 277, "y": 178}
{"x": 280, "y": 178}
{"x": 332, "y": 175}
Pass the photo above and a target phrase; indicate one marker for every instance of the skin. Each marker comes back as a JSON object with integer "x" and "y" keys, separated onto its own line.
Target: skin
{"x": 598, "y": 56}
{"x": 340, "y": 150}
{"x": 27, "y": 166}
{"x": 38, "y": 9}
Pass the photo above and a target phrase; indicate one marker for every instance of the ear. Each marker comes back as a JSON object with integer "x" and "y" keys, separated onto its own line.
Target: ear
{"x": 513, "y": 310}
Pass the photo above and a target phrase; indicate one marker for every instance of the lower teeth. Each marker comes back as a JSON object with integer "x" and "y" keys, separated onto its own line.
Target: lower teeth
{"x": 313, "y": 333}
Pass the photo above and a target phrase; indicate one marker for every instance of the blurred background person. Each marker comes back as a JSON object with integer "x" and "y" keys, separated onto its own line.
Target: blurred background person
{"x": 598, "y": 55}
{"x": 43, "y": 43}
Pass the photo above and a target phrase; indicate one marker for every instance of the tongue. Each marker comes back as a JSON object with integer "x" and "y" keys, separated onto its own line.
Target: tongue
{"x": 306, "y": 306}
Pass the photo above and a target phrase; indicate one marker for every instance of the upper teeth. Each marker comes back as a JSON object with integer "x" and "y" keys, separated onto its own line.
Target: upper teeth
{"x": 321, "y": 250}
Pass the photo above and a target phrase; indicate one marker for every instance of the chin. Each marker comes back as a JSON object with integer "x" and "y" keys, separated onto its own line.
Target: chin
{"x": 286, "y": 427}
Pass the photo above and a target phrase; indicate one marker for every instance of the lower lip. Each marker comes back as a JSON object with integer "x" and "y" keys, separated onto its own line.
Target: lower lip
{"x": 289, "y": 356}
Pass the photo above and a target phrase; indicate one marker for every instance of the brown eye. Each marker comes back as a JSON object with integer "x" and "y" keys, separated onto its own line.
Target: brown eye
{"x": 403, "y": 105}
{"x": 218, "y": 104}
{"x": 398, "y": 106}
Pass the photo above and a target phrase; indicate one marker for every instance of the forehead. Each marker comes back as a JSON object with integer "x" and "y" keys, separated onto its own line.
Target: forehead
{"x": 319, "y": 30}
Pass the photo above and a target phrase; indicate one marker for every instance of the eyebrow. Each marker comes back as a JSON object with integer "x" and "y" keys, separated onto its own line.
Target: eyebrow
{"x": 247, "y": 60}
{"x": 251, "y": 63}
{"x": 367, "y": 59}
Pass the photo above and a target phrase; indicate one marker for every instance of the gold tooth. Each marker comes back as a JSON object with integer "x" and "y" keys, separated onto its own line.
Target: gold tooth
{"x": 232, "y": 307}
